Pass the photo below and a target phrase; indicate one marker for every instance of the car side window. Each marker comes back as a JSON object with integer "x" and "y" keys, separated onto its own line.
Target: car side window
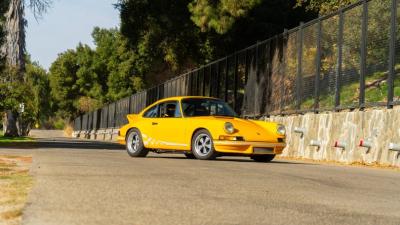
{"x": 170, "y": 110}
{"x": 152, "y": 112}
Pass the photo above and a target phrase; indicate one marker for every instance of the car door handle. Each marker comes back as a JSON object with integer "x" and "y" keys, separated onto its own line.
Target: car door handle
{"x": 154, "y": 123}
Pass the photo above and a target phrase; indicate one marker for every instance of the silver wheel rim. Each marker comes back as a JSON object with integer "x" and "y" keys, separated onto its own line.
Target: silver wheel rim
{"x": 202, "y": 145}
{"x": 133, "y": 142}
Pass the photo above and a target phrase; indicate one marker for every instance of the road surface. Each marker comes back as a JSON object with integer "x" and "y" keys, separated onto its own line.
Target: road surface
{"x": 97, "y": 183}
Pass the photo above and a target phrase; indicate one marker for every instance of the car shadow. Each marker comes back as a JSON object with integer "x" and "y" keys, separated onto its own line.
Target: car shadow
{"x": 230, "y": 159}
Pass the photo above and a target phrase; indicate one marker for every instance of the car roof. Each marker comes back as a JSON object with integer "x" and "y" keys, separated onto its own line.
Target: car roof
{"x": 178, "y": 98}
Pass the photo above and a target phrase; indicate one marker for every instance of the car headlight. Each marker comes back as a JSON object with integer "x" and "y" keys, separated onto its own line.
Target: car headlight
{"x": 229, "y": 129}
{"x": 281, "y": 129}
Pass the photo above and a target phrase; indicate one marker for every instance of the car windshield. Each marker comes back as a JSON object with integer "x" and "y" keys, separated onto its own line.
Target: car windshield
{"x": 206, "y": 107}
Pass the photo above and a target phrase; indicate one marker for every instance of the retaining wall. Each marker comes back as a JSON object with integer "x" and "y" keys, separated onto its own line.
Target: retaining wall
{"x": 379, "y": 126}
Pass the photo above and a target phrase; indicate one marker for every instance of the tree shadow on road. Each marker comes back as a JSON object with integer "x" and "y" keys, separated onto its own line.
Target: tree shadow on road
{"x": 63, "y": 143}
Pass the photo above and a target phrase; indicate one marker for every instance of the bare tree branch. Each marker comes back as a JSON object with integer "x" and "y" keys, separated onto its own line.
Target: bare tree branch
{"x": 39, "y": 7}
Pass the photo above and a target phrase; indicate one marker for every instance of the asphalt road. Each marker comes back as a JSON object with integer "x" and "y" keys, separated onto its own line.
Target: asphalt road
{"x": 103, "y": 185}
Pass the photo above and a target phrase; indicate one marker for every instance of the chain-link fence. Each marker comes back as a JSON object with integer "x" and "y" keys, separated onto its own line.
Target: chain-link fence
{"x": 347, "y": 60}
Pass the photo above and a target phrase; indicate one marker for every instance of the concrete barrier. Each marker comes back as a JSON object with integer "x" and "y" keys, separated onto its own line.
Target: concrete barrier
{"x": 379, "y": 127}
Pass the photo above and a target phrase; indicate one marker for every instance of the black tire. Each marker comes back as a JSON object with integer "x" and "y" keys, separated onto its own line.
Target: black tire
{"x": 206, "y": 151}
{"x": 263, "y": 158}
{"x": 189, "y": 155}
{"x": 135, "y": 150}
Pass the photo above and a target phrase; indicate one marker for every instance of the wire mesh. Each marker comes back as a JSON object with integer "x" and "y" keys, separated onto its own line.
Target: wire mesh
{"x": 377, "y": 51}
{"x": 308, "y": 70}
{"x": 275, "y": 91}
{"x": 396, "y": 97}
{"x": 241, "y": 81}
{"x": 290, "y": 72}
{"x": 351, "y": 64}
{"x": 78, "y": 123}
{"x": 329, "y": 51}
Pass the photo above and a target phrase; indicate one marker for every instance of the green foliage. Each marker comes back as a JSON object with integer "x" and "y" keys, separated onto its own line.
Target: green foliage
{"x": 13, "y": 93}
{"x": 162, "y": 36}
{"x": 34, "y": 93}
{"x": 84, "y": 79}
{"x": 169, "y": 37}
{"x": 324, "y": 6}
{"x": 63, "y": 79}
{"x": 219, "y": 15}
{"x": 37, "y": 79}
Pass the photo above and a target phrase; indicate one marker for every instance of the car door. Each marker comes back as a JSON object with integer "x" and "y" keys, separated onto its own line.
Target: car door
{"x": 146, "y": 126}
{"x": 170, "y": 126}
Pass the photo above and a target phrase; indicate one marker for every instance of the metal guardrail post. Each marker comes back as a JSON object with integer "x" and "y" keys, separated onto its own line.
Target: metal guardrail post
{"x": 339, "y": 60}
{"x": 392, "y": 53}
{"x": 299, "y": 66}
{"x": 363, "y": 64}
{"x": 318, "y": 67}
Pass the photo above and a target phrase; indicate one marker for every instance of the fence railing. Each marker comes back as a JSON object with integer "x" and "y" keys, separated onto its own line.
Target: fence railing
{"x": 346, "y": 60}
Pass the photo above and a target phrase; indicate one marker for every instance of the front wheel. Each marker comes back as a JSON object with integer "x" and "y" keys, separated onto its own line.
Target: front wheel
{"x": 134, "y": 144}
{"x": 263, "y": 158}
{"x": 203, "y": 146}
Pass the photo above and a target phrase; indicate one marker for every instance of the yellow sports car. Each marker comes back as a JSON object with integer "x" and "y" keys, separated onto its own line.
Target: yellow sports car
{"x": 202, "y": 128}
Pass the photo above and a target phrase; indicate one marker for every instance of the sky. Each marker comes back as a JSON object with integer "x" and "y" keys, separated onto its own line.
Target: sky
{"x": 67, "y": 23}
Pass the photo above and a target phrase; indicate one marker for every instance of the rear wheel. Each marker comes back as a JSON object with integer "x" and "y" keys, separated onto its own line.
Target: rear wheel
{"x": 263, "y": 158}
{"x": 134, "y": 144}
{"x": 203, "y": 146}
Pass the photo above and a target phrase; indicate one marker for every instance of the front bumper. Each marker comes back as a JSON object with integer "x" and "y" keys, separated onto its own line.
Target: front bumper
{"x": 249, "y": 148}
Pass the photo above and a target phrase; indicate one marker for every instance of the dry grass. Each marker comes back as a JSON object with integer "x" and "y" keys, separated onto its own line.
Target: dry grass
{"x": 15, "y": 183}
{"x": 68, "y": 130}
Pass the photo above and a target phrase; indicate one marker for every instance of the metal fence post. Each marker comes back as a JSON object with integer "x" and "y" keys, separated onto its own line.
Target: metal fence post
{"x": 226, "y": 78}
{"x": 392, "y": 54}
{"x": 257, "y": 76}
{"x": 363, "y": 59}
{"x": 235, "y": 74}
{"x": 203, "y": 71}
{"x": 299, "y": 66}
{"x": 246, "y": 66}
{"x": 218, "y": 78}
{"x": 284, "y": 63}
{"x": 318, "y": 67}
{"x": 210, "y": 80}
{"x": 339, "y": 61}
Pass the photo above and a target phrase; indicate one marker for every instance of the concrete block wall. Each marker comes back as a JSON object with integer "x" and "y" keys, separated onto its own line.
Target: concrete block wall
{"x": 380, "y": 126}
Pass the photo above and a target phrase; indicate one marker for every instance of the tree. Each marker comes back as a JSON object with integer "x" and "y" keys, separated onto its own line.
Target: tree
{"x": 14, "y": 50}
{"x": 64, "y": 89}
{"x": 170, "y": 37}
{"x": 219, "y": 15}
{"x": 161, "y": 34}
{"x": 84, "y": 79}
{"x": 324, "y": 7}
{"x": 38, "y": 81}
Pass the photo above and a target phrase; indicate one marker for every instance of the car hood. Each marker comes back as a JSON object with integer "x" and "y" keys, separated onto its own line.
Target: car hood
{"x": 250, "y": 130}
